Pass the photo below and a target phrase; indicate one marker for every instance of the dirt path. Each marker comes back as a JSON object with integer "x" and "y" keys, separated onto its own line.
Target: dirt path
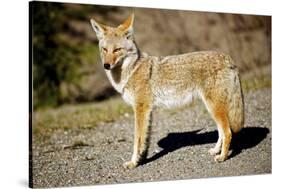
{"x": 179, "y": 144}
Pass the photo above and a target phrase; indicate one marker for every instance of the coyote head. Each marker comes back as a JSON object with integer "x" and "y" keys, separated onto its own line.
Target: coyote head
{"x": 116, "y": 44}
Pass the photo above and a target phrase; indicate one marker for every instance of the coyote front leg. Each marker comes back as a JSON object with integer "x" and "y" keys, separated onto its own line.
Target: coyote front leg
{"x": 141, "y": 139}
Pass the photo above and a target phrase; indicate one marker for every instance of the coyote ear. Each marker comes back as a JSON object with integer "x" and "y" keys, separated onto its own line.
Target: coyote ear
{"x": 98, "y": 28}
{"x": 127, "y": 26}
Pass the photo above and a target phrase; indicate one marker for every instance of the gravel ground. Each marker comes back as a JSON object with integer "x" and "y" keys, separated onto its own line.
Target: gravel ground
{"x": 178, "y": 149}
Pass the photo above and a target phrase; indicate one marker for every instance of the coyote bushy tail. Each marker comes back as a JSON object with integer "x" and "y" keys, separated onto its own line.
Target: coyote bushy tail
{"x": 236, "y": 105}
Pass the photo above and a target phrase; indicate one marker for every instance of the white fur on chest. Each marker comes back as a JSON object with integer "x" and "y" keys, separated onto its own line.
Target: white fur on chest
{"x": 120, "y": 87}
{"x": 170, "y": 98}
{"x": 117, "y": 86}
{"x": 128, "y": 97}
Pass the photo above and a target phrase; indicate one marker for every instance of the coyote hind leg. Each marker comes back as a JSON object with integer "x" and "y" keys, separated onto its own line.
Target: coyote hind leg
{"x": 219, "y": 113}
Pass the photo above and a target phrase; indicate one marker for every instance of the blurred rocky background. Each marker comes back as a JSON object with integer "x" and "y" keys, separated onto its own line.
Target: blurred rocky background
{"x": 66, "y": 66}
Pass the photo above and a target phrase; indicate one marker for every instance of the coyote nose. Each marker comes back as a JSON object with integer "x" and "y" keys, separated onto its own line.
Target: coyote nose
{"x": 106, "y": 66}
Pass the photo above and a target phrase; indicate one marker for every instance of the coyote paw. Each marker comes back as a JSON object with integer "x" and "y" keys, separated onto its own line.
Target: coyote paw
{"x": 129, "y": 165}
{"x": 214, "y": 151}
{"x": 220, "y": 158}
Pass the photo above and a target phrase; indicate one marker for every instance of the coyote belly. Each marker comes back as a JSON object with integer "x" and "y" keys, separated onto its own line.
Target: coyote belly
{"x": 147, "y": 81}
{"x": 170, "y": 98}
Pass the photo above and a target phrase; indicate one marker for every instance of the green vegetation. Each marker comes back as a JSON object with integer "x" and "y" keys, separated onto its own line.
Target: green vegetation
{"x": 61, "y": 52}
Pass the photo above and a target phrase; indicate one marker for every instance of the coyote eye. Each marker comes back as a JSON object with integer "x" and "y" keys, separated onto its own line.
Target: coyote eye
{"x": 117, "y": 50}
{"x": 104, "y": 49}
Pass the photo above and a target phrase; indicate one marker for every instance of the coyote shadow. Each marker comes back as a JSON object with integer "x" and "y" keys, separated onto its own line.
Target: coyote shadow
{"x": 246, "y": 138}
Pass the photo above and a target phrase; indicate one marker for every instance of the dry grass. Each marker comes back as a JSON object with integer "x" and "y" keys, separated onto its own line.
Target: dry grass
{"x": 83, "y": 116}
{"x": 257, "y": 78}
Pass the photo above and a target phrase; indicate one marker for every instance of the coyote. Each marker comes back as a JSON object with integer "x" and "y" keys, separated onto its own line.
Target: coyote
{"x": 146, "y": 82}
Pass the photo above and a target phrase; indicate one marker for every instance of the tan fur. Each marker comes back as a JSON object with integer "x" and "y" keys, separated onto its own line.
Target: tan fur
{"x": 147, "y": 81}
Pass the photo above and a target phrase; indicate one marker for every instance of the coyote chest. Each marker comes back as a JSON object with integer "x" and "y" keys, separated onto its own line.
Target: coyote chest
{"x": 128, "y": 97}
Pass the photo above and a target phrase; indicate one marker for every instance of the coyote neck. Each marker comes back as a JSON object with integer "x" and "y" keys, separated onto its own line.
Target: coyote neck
{"x": 120, "y": 75}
